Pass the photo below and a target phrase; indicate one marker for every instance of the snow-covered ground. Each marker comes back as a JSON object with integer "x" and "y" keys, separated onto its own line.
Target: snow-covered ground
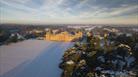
{"x": 32, "y": 58}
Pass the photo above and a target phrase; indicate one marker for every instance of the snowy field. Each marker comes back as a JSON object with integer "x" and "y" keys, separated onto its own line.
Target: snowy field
{"x": 32, "y": 58}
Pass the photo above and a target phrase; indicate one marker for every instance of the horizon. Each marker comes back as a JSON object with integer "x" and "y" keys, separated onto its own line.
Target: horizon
{"x": 69, "y": 12}
{"x": 44, "y": 25}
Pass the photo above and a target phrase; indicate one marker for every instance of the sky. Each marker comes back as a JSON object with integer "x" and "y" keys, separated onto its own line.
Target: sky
{"x": 69, "y": 11}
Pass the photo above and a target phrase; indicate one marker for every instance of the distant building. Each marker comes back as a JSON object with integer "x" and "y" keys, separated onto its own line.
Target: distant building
{"x": 63, "y": 36}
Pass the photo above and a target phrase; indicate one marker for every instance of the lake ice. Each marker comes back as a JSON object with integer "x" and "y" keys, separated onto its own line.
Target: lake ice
{"x": 32, "y": 58}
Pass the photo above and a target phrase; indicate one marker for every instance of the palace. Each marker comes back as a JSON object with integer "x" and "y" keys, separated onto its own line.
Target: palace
{"x": 63, "y": 36}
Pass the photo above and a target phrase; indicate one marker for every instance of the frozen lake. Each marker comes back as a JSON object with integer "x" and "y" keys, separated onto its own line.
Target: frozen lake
{"x": 32, "y": 58}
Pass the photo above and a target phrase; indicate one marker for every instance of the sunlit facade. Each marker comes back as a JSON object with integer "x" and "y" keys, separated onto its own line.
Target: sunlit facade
{"x": 63, "y": 36}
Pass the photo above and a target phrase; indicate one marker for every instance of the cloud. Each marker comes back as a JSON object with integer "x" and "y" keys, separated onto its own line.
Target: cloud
{"x": 121, "y": 11}
{"x": 76, "y": 10}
